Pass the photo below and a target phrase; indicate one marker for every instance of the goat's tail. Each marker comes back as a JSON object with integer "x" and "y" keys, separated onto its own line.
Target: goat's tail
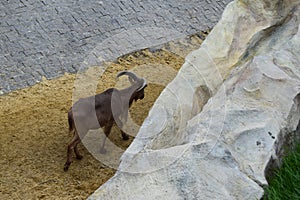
{"x": 70, "y": 121}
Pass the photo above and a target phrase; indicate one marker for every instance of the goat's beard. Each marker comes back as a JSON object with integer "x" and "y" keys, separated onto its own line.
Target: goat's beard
{"x": 136, "y": 99}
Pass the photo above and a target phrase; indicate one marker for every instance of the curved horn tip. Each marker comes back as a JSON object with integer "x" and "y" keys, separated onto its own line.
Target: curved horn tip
{"x": 121, "y": 73}
{"x": 144, "y": 84}
{"x": 128, "y": 73}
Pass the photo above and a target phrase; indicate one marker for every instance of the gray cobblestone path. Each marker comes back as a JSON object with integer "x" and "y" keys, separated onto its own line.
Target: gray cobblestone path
{"x": 50, "y": 37}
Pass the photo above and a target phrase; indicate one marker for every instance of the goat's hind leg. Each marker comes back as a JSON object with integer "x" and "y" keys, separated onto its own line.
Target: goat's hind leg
{"x": 78, "y": 155}
{"x": 75, "y": 140}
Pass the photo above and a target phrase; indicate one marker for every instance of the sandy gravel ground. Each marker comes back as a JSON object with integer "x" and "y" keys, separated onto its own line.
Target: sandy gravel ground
{"x": 34, "y": 132}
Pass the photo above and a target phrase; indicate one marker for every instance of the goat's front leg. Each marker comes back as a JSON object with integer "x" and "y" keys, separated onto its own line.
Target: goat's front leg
{"x": 125, "y": 136}
{"x": 107, "y": 129}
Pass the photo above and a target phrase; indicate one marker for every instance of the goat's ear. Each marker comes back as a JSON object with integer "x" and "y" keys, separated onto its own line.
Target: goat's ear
{"x": 130, "y": 80}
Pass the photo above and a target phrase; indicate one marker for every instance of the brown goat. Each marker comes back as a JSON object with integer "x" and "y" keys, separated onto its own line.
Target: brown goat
{"x": 102, "y": 111}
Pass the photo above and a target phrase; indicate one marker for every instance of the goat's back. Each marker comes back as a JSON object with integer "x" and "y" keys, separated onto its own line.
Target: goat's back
{"x": 97, "y": 110}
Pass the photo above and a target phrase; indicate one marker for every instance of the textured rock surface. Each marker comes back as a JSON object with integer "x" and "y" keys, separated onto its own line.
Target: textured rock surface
{"x": 217, "y": 125}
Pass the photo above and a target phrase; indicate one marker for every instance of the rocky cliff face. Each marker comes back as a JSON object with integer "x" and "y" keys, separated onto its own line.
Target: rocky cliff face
{"x": 215, "y": 128}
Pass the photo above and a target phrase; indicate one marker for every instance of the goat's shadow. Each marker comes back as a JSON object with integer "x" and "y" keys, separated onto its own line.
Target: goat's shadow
{"x": 114, "y": 146}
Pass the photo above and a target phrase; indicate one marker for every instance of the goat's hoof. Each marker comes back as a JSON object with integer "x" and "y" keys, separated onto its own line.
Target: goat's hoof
{"x": 125, "y": 137}
{"x": 102, "y": 151}
{"x": 66, "y": 167}
{"x": 79, "y": 157}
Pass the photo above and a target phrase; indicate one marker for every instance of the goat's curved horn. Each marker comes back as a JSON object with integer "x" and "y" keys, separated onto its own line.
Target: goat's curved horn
{"x": 144, "y": 84}
{"x": 128, "y": 73}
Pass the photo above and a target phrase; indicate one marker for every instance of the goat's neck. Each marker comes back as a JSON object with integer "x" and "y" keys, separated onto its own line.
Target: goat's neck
{"x": 130, "y": 101}
{"x": 128, "y": 94}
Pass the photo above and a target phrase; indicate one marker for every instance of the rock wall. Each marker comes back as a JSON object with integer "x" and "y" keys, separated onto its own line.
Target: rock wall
{"x": 215, "y": 128}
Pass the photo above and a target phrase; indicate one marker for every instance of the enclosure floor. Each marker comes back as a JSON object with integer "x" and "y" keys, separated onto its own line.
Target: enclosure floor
{"x": 34, "y": 134}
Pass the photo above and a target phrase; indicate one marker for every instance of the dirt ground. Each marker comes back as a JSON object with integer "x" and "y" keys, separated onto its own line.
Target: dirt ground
{"x": 34, "y": 133}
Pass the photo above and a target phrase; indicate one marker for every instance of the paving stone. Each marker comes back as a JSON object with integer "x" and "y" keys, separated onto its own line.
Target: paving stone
{"x": 51, "y": 37}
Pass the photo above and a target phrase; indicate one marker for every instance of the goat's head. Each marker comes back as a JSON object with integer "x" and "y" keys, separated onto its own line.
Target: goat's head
{"x": 137, "y": 83}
